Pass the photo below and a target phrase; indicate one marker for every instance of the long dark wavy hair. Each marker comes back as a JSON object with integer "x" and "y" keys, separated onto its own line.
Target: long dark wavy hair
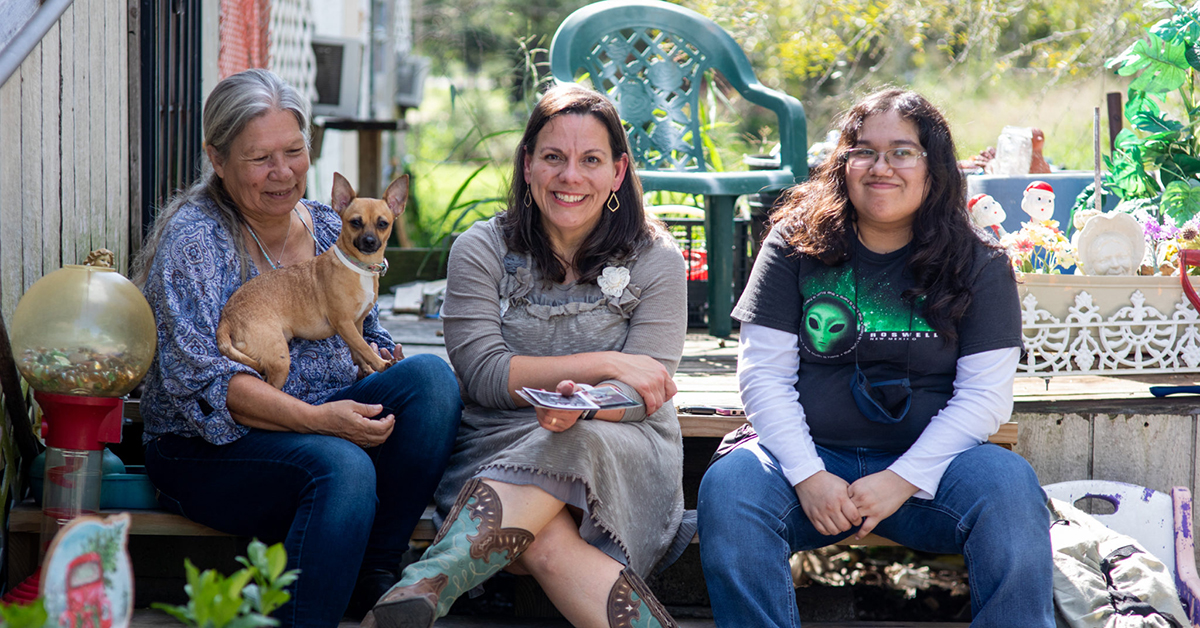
{"x": 819, "y": 220}
{"x": 618, "y": 234}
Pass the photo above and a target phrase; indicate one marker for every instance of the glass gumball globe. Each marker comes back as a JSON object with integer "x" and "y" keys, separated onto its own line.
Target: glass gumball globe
{"x": 83, "y": 330}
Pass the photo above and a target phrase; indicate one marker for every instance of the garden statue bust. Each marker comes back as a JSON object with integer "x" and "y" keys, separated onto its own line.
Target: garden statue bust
{"x": 1111, "y": 244}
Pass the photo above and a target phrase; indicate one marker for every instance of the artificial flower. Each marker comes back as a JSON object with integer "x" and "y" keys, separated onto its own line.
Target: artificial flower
{"x": 613, "y": 280}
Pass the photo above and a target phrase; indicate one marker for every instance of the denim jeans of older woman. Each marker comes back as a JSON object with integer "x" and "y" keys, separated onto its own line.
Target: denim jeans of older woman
{"x": 335, "y": 506}
{"x": 988, "y": 507}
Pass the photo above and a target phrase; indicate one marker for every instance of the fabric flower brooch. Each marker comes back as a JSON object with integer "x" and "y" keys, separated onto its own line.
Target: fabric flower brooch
{"x": 613, "y": 280}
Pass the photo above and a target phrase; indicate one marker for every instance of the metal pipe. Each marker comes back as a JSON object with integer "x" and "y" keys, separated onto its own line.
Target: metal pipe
{"x": 30, "y": 36}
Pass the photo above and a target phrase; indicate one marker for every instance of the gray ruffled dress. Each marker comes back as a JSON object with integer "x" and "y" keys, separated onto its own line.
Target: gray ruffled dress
{"x": 625, "y": 477}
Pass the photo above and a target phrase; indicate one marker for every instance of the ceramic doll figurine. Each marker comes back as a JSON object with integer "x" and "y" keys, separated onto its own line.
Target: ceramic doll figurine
{"x": 1038, "y": 201}
{"x": 986, "y": 213}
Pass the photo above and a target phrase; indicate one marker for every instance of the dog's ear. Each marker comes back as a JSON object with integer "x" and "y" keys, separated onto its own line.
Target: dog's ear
{"x": 396, "y": 195}
{"x": 343, "y": 194}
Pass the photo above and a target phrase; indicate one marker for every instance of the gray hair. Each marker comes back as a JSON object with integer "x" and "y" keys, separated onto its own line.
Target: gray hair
{"x": 233, "y": 104}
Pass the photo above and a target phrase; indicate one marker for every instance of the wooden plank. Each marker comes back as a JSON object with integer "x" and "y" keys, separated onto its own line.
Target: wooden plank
{"x": 1149, "y": 450}
{"x": 96, "y": 122}
{"x": 52, "y": 155}
{"x": 713, "y": 426}
{"x": 81, "y": 214}
{"x": 10, "y": 200}
{"x": 14, "y": 14}
{"x": 28, "y": 518}
{"x": 1058, "y": 446}
{"x": 31, "y": 168}
{"x": 127, "y": 43}
{"x": 114, "y": 102}
{"x": 68, "y": 227}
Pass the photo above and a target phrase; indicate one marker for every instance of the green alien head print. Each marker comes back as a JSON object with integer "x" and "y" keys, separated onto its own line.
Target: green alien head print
{"x": 830, "y": 326}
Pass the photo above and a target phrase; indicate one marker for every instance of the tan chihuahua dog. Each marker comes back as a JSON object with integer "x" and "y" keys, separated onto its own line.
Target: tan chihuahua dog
{"x": 329, "y": 294}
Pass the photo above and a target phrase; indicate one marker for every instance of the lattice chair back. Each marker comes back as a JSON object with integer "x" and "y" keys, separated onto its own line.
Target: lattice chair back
{"x": 652, "y": 59}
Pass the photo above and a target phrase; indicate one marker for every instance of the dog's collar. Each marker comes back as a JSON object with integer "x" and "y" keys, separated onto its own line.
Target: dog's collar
{"x": 363, "y": 269}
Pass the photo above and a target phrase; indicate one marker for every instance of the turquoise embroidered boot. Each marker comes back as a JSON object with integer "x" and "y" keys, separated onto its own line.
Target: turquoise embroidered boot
{"x": 470, "y": 548}
{"x": 632, "y": 605}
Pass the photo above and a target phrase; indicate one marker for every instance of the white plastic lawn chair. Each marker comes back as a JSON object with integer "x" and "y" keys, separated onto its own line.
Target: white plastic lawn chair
{"x": 1161, "y": 523}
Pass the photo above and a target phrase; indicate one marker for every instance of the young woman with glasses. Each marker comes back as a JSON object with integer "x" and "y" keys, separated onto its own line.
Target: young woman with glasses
{"x": 879, "y": 340}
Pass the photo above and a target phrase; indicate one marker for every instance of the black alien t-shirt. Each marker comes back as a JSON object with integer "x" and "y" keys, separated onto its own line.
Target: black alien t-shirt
{"x": 853, "y": 313}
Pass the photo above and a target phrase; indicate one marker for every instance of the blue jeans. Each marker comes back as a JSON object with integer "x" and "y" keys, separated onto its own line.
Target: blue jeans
{"x": 989, "y": 508}
{"x": 335, "y": 506}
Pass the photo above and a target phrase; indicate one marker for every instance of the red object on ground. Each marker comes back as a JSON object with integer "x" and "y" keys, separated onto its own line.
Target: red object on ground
{"x": 25, "y": 592}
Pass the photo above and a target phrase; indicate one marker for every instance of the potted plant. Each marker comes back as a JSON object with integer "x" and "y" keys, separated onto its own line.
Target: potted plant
{"x": 1099, "y": 324}
{"x": 1155, "y": 166}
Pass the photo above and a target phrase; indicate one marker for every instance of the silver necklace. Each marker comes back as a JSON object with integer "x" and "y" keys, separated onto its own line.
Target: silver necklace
{"x": 285, "y": 241}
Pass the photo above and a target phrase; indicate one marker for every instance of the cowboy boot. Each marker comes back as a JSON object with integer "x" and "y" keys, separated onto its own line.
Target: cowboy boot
{"x": 632, "y": 605}
{"x": 470, "y": 548}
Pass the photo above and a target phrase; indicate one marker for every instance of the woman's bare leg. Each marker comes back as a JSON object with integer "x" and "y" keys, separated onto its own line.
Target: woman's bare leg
{"x": 587, "y": 586}
{"x": 526, "y": 506}
{"x": 576, "y": 576}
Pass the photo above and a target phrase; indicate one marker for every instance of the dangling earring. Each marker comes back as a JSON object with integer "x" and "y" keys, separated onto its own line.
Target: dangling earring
{"x": 613, "y": 203}
{"x": 528, "y": 199}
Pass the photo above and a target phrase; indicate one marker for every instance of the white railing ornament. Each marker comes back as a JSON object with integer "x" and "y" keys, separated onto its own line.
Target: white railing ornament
{"x": 1137, "y": 338}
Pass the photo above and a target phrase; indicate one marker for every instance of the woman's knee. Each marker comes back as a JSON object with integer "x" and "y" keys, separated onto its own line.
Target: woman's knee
{"x": 338, "y": 467}
{"x": 544, "y": 557}
{"x": 740, "y": 482}
{"x": 426, "y": 373}
{"x": 994, "y": 470}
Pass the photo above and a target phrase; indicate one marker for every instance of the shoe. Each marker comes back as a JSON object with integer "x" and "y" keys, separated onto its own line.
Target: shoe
{"x": 470, "y": 548}
{"x": 371, "y": 586}
{"x": 630, "y": 599}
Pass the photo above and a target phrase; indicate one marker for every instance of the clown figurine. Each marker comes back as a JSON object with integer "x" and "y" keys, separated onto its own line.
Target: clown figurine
{"x": 1039, "y": 201}
{"x": 986, "y": 213}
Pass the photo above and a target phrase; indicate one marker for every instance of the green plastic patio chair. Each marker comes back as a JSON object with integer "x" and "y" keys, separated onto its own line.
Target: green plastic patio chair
{"x": 652, "y": 58}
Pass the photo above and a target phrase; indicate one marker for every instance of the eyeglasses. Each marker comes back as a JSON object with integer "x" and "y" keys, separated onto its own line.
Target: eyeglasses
{"x": 897, "y": 158}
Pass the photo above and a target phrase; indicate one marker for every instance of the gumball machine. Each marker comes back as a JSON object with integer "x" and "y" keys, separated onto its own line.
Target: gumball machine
{"x": 82, "y": 336}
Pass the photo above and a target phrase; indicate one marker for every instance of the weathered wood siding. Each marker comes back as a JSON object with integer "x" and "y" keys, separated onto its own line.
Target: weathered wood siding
{"x": 1155, "y": 448}
{"x": 64, "y": 148}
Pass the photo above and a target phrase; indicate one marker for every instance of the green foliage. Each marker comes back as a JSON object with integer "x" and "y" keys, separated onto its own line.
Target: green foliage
{"x": 827, "y": 53}
{"x": 32, "y": 615}
{"x": 1165, "y": 65}
{"x": 1181, "y": 201}
{"x": 245, "y": 599}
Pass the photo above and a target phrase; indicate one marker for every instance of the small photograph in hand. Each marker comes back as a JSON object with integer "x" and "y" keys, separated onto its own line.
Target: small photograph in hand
{"x": 550, "y": 399}
{"x": 607, "y": 397}
{"x": 601, "y": 398}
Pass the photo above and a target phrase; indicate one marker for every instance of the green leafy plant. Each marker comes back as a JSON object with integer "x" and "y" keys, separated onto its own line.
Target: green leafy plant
{"x": 31, "y": 615}
{"x": 1161, "y": 159}
{"x": 244, "y": 599}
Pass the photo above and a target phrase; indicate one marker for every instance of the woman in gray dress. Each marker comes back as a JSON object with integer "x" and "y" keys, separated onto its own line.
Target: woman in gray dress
{"x": 573, "y": 284}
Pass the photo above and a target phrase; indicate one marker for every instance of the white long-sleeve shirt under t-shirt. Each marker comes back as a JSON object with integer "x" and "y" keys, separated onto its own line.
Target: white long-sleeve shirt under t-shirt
{"x": 768, "y": 369}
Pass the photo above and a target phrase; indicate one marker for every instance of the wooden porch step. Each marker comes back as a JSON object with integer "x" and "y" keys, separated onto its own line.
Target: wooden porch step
{"x": 27, "y": 519}
{"x": 692, "y": 425}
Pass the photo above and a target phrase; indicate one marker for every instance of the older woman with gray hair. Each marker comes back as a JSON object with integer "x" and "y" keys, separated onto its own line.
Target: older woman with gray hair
{"x": 337, "y": 466}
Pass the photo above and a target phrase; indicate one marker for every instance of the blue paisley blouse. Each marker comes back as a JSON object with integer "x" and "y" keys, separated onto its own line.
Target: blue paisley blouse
{"x": 193, "y": 274}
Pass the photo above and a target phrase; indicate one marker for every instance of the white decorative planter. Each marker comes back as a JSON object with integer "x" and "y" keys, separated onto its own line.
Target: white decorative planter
{"x": 1076, "y": 324}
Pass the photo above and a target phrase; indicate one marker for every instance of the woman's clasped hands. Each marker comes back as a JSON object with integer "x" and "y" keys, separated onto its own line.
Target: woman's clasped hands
{"x": 351, "y": 420}
{"x": 834, "y": 505}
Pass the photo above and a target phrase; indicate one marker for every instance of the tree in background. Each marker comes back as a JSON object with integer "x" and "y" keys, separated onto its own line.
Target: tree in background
{"x": 828, "y": 52}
